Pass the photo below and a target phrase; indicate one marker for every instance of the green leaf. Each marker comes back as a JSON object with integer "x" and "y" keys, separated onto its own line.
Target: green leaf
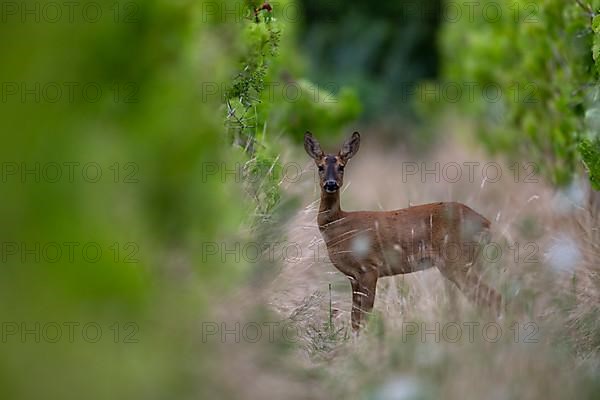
{"x": 590, "y": 153}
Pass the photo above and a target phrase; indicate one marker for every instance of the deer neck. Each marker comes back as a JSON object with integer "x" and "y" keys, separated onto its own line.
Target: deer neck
{"x": 329, "y": 209}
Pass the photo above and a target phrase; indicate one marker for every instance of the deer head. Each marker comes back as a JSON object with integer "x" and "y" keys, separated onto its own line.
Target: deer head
{"x": 331, "y": 166}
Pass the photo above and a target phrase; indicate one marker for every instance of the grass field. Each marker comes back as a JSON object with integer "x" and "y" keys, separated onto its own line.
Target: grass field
{"x": 424, "y": 339}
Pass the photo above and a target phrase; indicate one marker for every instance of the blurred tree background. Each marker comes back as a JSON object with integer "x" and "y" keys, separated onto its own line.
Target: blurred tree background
{"x": 543, "y": 57}
{"x": 393, "y": 52}
{"x": 383, "y": 50}
{"x": 137, "y": 112}
{"x": 158, "y": 96}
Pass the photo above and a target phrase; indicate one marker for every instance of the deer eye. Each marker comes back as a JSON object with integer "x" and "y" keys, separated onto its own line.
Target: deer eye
{"x": 341, "y": 168}
{"x": 321, "y": 168}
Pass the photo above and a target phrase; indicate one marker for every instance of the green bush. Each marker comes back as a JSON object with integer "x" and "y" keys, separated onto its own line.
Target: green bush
{"x": 266, "y": 99}
{"x": 156, "y": 204}
{"x": 543, "y": 58}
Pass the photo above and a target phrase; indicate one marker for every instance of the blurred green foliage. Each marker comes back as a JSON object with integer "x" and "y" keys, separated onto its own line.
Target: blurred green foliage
{"x": 130, "y": 92}
{"x": 590, "y": 152}
{"x": 155, "y": 136}
{"x": 538, "y": 62}
{"x": 128, "y": 89}
{"x": 306, "y": 106}
{"x": 383, "y": 49}
{"x": 267, "y": 99}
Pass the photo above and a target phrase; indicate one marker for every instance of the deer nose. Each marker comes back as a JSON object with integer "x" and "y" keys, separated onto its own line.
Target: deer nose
{"x": 330, "y": 186}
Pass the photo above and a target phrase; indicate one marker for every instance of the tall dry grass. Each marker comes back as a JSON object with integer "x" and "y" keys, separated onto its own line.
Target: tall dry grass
{"x": 544, "y": 346}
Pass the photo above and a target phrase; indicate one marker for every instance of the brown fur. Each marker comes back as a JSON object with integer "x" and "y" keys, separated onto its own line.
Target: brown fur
{"x": 367, "y": 245}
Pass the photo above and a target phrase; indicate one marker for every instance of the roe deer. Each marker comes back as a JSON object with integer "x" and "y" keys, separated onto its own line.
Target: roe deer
{"x": 367, "y": 245}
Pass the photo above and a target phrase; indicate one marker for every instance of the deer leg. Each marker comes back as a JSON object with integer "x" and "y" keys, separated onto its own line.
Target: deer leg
{"x": 368, "y": 287}
{"x": 356, "y": 304}
{"x": 469, "y": 282}
{"x": 449, "y": 285}
{"x": 482, "y": 294}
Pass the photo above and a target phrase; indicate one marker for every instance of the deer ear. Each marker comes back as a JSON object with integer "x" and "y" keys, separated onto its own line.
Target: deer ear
{"x": 350, "y": 147}
{"x": 312, "y": 147}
